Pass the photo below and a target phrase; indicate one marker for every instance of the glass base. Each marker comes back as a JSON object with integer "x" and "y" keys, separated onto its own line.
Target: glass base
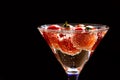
{"x": 73, "y": 76}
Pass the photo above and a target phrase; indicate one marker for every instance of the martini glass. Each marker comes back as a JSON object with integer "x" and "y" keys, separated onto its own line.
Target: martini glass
{"x": 73, "y": 43}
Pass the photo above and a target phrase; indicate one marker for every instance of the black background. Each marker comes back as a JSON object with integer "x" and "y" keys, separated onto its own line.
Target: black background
{"x": 25, "y": 55}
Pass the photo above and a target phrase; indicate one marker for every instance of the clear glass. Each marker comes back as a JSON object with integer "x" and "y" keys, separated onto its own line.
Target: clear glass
{"x": 73, "y": 47}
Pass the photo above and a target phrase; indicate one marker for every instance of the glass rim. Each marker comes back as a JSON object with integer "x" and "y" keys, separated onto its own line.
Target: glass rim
{"x": 100, "y": 27}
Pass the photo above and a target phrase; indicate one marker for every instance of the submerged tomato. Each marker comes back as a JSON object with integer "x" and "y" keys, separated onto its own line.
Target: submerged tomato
{"x": 84, "y": 40}
{"x": 66, "y": 46}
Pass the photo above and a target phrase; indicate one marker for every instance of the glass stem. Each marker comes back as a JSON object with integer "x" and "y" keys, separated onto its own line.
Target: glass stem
{"x": 73, "y": 76}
